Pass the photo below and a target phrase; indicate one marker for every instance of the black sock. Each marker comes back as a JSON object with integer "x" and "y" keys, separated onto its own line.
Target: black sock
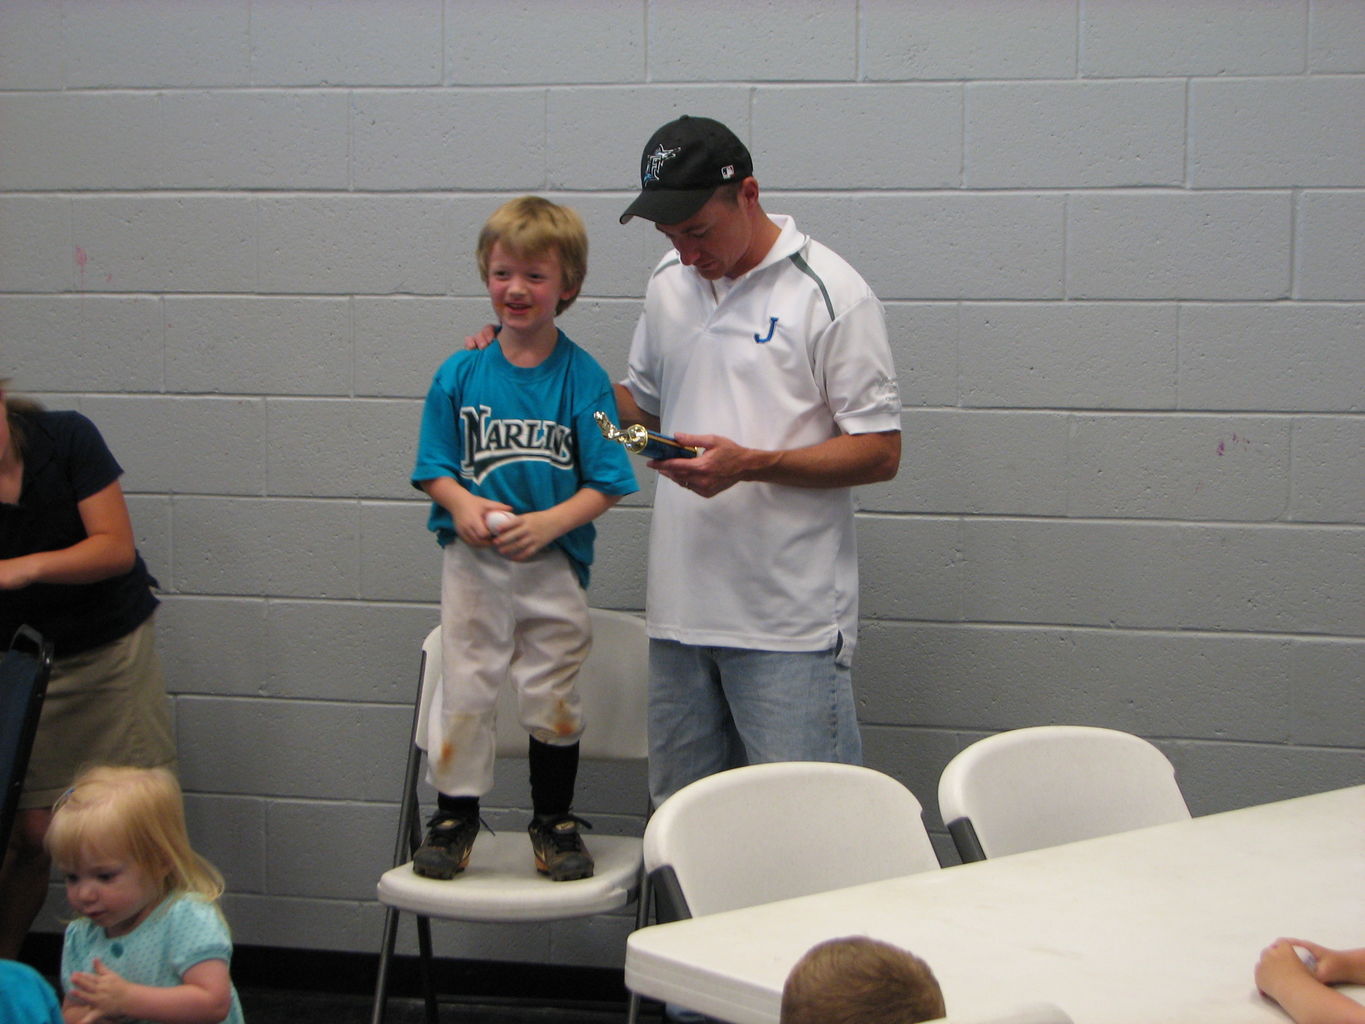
{"x": 464, "y": 807}
{"x": 554, "y": 770}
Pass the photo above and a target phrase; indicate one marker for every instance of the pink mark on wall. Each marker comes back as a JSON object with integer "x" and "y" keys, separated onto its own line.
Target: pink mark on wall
{"x": 1233, "y": 442}
{"x": 81, "y": 259}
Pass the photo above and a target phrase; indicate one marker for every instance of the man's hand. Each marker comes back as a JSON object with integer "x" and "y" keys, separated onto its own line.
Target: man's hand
{"x": 484, "y": 338}
{"x": 720, "y": 466}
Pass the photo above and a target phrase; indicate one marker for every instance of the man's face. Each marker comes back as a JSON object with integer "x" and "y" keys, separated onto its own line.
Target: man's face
{"x": 715, "y": 240}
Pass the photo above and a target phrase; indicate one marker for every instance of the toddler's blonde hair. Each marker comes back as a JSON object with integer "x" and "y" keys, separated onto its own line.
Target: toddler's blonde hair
{"x": 137, "y": 814}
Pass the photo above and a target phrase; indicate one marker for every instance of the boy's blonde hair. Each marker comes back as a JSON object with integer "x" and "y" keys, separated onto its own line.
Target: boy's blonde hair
{"x": 530, "y": 226}
{"x": 136, "y": 814}
{"x": 858, "y": 980}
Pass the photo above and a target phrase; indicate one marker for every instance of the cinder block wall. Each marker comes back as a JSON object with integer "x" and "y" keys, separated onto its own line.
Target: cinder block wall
{"x": 1120, "y": 247}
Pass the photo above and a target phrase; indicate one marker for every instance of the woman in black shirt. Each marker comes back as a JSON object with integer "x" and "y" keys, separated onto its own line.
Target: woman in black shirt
{"x": 69, "y": 568}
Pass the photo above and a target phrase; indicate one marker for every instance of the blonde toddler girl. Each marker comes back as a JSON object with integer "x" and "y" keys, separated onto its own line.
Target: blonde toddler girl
{"x": 150, "y": 943}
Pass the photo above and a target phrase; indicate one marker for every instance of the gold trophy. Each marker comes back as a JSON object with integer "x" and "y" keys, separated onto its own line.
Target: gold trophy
{"x": 639, "y": 441}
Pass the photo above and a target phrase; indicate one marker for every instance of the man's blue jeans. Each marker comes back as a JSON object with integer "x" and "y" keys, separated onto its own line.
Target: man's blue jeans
{"x": 713, "y": 708}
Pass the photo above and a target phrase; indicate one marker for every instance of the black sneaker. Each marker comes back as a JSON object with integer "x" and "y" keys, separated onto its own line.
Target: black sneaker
{"x": 559, "y": 848}
{"x": 445, "y": 851}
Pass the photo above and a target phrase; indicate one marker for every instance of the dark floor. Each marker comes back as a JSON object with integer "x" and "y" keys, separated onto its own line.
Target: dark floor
{"x": 283, "y": 1006}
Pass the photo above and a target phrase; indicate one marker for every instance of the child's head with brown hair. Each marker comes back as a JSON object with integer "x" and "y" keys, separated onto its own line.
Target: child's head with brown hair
{"x": 858, "y": 980}
{"x": 137, "y": 815}
{"x": 530, "y": 227}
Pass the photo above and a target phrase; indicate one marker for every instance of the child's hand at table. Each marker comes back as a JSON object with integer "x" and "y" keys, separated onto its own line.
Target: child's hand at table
{"x": 1280, "y": 964}
{"x": 103, "y": 990}
{"x": 1304, "y": 992}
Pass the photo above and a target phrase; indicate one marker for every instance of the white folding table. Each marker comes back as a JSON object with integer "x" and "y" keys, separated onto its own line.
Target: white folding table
{"x": 1163, "y": 924}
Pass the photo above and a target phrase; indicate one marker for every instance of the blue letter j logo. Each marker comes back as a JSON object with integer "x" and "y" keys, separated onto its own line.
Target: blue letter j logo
{"x": 772, "y": 323}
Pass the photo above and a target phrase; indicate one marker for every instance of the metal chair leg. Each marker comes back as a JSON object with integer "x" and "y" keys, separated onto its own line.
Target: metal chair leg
{"x": 428, "y": 985}
{"x": 641, "y": 919}
{"x": 381, "y": 985}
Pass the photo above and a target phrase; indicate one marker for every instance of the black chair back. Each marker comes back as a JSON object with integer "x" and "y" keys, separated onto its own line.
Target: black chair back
{"x": 24, "y": 671}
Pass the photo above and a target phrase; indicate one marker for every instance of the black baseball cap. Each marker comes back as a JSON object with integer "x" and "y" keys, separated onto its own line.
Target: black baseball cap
{"x": 684, "y": 162}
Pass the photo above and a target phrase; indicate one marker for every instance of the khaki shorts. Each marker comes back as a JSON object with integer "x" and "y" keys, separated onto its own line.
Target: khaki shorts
{"x": 103, "y": 706}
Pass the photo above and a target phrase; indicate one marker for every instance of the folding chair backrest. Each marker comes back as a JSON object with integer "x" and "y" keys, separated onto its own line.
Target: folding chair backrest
{"x": 1042, "y": 786}
{"x": 24, "y": 672}
{"x": 610, "y": 684}
{"x": 773, "y": 831}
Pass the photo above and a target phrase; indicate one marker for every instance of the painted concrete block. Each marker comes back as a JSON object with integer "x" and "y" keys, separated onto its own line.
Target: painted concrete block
{"x": 1179, "y": 467}
{"x": 258, "y": 345}
{"x": 36, "y": 254}
{"x": 399, "y": 557}
{"x": 1327, "y": 484}
{"x": 1336, "y": 36}
{"x": 909, "y": 568}
{"x": 1275, "y": 133}
{"x": 426, "y": 139}
{"x": 94, "y": 343}
{"x": 317, "y": 750}
{"x": 686, "y": 46}
{"x": 181, "y": 445}
{"x": 1283, "y": 358}
{"x": 1329, "y": 246}
{"x": 593, "y": 43}
{"x": 874, "y": 137}
{"x": 254, "y": 140}
{"x": 1080, "y": 355}
{"x": 964, "y": 246}
{"x": 31, "y": 46}
{"x": 1075, "y": 134}
{"x": 1120, "y": 39}
{"x": 376, "y": 43}
{"x": 1222, "y": 245}
{"x": 154, "y": 44}
{"x": 339, "y": 447}
{"x": 941, "y": 39}
{"x": 80, "y": 140}
{"x": 980, "y": 463}
{"x": 165, "y": 243}
{"x": 278, "y": 547}
{"x": 368, "y": 245}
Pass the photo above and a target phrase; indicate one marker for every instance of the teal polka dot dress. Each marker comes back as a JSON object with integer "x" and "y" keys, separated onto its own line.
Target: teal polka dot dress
{"x": 181, "y": 932}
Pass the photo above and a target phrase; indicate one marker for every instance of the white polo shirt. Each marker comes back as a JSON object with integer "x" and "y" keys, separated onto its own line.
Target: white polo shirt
{"x": 792, "y": 353}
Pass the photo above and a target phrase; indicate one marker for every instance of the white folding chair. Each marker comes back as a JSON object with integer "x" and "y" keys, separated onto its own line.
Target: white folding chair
{"x": 726, "y": 841}
{"x": 501, "y": 883}
{"x": 1042, "y": 786}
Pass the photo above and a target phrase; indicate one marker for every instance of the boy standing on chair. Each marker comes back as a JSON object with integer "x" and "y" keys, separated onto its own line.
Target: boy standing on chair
{"x": 517, "y": 471}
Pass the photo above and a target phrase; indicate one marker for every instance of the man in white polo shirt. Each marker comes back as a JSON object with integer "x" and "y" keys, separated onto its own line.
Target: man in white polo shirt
{"x": 765, "y": 349}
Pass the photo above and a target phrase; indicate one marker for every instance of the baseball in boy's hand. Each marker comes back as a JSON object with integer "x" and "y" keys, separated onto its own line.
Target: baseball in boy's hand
{"x": 1309, "y": 960}
{"x": 497, "y": 520}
